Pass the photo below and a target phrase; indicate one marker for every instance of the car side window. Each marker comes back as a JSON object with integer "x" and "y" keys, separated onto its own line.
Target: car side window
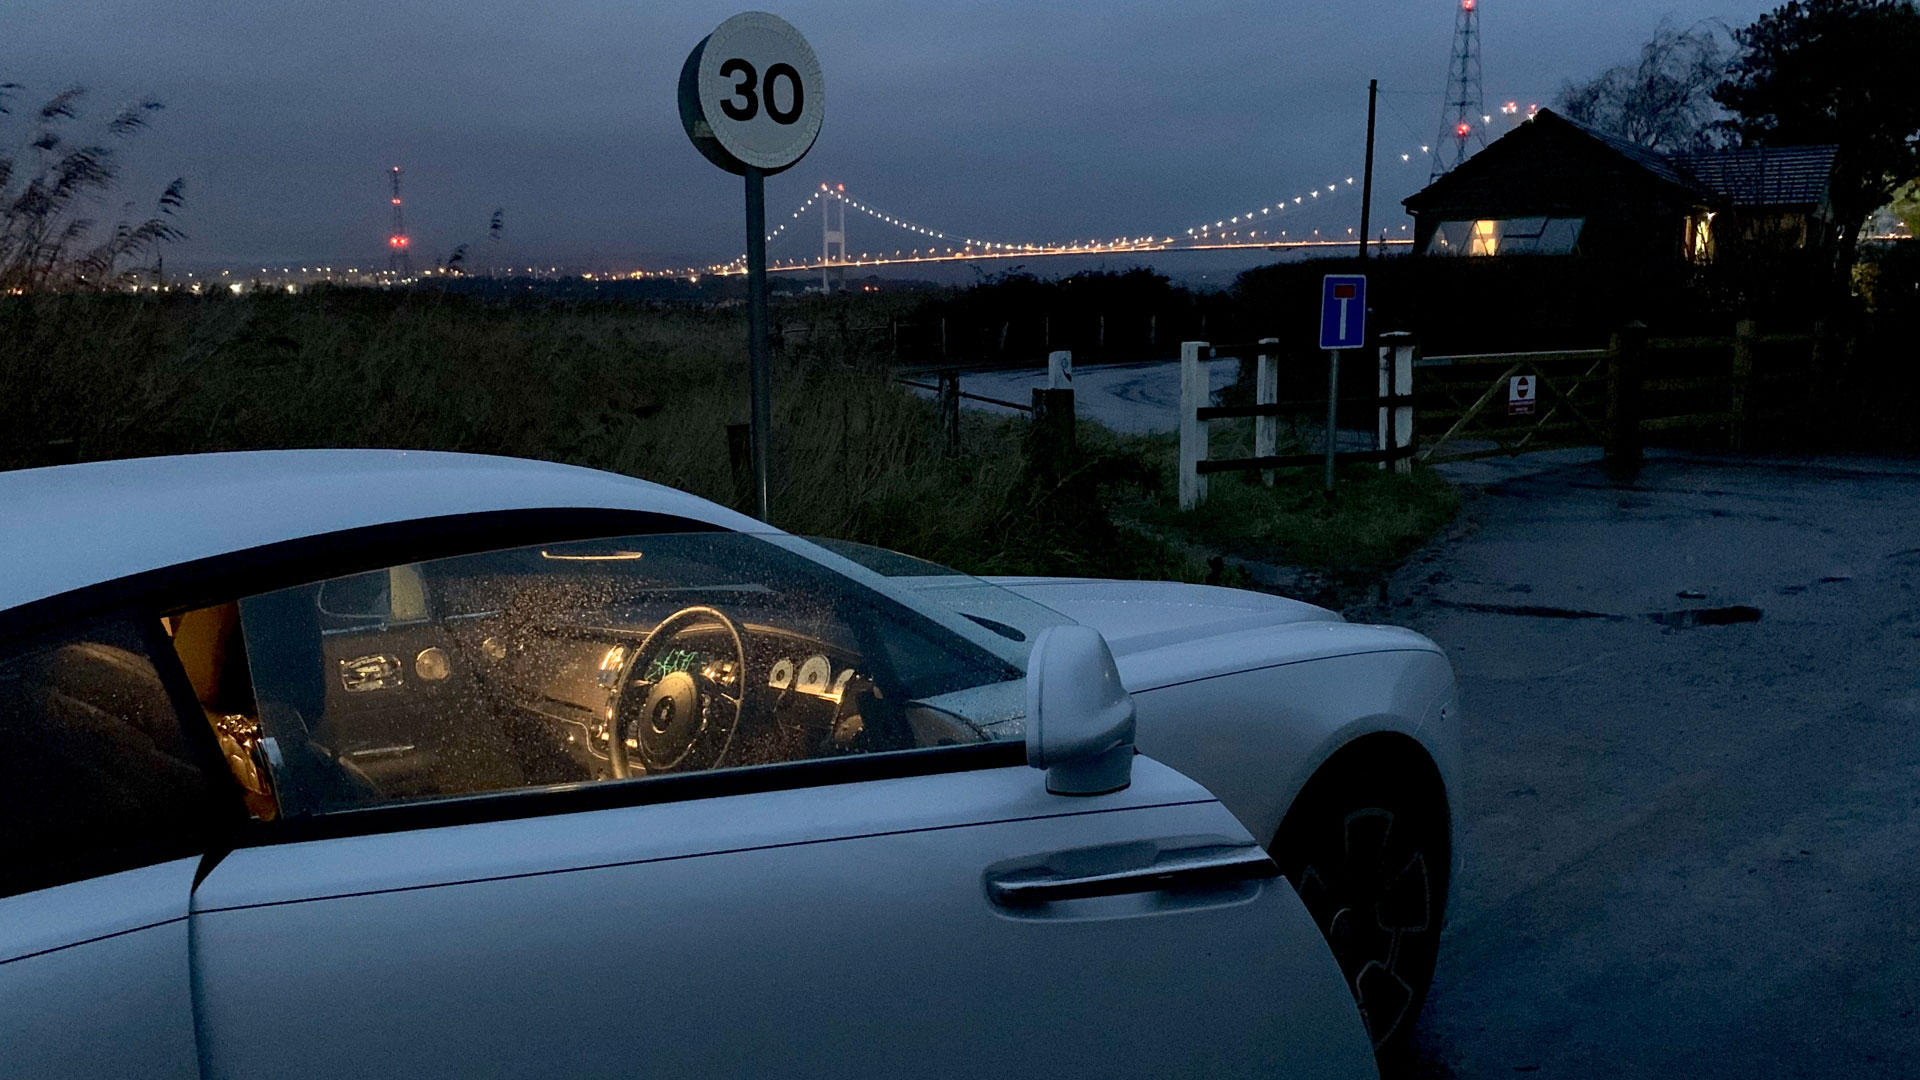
{"x": 95, "y": 772}
{"x": 602, "y": 660}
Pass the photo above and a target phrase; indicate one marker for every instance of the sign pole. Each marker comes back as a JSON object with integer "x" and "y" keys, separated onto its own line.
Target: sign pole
{"x": 759, "y": 378}
{"x": 1343, "y": 325}
{"x": 751, "y": 100}
{"x": 1333, "y": 413}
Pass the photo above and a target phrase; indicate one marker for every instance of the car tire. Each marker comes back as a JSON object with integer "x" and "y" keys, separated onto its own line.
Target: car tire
{"x": 1366, "y": 848}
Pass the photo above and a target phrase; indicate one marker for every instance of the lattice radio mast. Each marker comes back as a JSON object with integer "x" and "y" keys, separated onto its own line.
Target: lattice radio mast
{"x": 1462, "y": 120}
{"x": 397, "y": 260}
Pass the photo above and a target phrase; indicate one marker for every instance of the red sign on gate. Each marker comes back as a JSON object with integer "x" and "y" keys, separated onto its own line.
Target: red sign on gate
{"x": 1521, "y": 393}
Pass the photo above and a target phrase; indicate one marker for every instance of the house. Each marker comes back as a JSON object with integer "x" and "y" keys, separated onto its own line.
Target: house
{"x": 1556, "y": 187}
{"x": 1770, "y": 199}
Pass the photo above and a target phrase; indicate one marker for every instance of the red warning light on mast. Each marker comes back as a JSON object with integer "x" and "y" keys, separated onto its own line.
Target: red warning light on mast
{"x": 1466, "y": 5}
{"x": 397, "y": 260}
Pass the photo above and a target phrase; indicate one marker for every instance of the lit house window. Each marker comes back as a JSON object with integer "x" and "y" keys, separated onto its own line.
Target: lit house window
{"x": 1486, "y": 238}
{"x": 1507, "y": 236}
{"x": 1699, "y": 238}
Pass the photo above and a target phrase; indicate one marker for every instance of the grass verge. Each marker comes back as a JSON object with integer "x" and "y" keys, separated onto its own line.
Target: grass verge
{"x": 649, "y": 390}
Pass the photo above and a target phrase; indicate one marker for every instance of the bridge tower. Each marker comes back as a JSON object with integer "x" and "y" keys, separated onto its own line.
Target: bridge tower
{"x": 833, "y": 239}
{"x": 397, "y": 260}
{"x": 1462, "y": 118}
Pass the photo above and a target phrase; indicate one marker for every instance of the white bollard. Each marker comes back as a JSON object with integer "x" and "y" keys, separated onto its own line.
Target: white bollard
{"x": 1397, "y": 353}
{"x": 1266, "y": 429}
{"x": 1196, "y": 392}
{"x": 1060, "y": 370}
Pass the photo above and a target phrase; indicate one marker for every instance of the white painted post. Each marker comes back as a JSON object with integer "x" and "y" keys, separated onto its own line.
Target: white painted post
{"x": 1397, "y": 352}
{"x": 1060, "y": 370}
{"x": 1196, "y": 391}
{"x": 1266, "y": 429}
{"x": 1403, "y": 359}
{"x": 1383, "y": 439}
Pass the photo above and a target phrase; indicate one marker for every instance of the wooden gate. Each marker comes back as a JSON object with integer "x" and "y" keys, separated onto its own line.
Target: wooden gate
{"x": 1462, "y": 410}
{"x": 1705, "y": 390}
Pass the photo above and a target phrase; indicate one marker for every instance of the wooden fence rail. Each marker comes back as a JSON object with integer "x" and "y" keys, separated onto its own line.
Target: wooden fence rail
{"x": 1448, "y": 408}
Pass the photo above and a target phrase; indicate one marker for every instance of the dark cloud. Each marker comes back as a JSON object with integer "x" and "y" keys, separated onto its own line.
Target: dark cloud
{"x": 1009, "y": 120}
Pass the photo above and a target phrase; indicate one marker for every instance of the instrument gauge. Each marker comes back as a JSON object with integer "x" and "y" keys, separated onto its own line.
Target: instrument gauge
{"x": 815, "y": 671}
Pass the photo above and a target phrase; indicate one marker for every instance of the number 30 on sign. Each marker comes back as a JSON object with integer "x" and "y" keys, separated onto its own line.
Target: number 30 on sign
{"x": 751, "y": 94}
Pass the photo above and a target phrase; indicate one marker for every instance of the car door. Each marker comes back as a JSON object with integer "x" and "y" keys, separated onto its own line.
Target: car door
{"x": 104, "y": 809}
{"x": 867, "y": 879}
{"x": 393, "y": 672}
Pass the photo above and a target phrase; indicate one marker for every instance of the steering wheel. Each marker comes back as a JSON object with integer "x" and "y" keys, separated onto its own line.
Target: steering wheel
{"x": 686, "y": 719}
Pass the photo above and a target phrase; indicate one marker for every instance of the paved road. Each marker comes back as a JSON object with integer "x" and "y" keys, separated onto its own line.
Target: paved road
{"x": 1692, "y": 849}
{"x": 1134, "y": 399}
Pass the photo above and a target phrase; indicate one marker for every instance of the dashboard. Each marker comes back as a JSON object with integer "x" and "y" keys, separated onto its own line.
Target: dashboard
{"x": 800, "y": 696}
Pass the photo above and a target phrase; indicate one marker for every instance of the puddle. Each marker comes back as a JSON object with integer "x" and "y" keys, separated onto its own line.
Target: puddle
{"x": 1714, "y": 616}
{"x": 1534, "y": 610}
{"x": 1720, "y": 616}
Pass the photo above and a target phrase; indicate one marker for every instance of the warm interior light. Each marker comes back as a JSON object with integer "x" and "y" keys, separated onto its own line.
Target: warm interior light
{"x": 1486, "y": 238}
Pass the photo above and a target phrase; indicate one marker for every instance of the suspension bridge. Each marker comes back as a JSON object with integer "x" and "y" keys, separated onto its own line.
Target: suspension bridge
{"x": 1315, "y": 217}
{"x": 1312, "y": 218}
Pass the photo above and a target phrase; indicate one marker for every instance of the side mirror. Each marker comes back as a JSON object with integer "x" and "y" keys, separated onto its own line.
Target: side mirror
{"x": 1079, "y": 717}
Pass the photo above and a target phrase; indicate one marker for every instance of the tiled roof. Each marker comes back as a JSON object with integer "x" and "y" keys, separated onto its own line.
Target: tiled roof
{"x": 1653, "y": 161}
{"x": 1763, "y": 176}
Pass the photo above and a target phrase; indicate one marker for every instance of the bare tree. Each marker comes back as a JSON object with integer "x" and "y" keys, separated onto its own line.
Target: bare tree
{"x": 1664, "y": 101}
{"x": 50, "y": 189}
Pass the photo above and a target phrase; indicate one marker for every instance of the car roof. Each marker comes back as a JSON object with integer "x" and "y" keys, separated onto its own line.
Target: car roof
{"x": 71, "y": 526}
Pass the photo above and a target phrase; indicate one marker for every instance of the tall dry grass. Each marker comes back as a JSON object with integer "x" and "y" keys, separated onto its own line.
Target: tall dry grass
{"x": 55, "y": 183}
{"x": 643, "y": 390}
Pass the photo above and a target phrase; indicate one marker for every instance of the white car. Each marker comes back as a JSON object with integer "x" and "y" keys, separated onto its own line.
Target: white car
{"x": 324, "y": 763}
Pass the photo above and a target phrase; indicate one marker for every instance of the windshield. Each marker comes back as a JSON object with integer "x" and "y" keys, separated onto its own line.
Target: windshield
{"x": 1008, "y": 615}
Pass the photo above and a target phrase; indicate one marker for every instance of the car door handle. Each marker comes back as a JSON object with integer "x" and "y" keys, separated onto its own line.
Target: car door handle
{"x": 1117, "y": 869}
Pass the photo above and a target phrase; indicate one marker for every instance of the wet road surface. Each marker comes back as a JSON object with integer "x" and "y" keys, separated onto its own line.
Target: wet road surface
{"x": 1691, "y": 841}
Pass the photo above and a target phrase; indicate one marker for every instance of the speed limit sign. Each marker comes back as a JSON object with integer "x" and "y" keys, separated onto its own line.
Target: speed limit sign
{"x": 751, "y": 94}
{"x": 751, "y": 99}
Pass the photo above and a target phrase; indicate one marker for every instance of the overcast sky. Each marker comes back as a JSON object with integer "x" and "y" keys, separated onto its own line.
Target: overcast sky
{"x": 1014, "y": 121}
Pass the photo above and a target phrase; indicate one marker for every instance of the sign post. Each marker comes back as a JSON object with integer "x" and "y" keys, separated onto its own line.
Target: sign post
{"x": 751, "y": 99}
{"x": 1522, "y": 392}
{"x": 1343, "y": 325}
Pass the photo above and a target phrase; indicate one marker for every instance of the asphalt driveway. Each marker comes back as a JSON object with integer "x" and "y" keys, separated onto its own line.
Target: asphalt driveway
{"x": 1692, "y": 836}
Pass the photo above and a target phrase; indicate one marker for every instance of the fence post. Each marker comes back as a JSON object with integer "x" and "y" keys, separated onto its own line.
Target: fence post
{"x": 1739, "y": 409}
{"x": 1266, "y": 391}
{"x": 1397, "y": 353}
{"x": 1820, "y": 381}
{"x": 943, "y": 339}
{"x": 950, "y": 409}
{"x": 1060, "y": 370}
{"x": 1196, "y": 389}
{"x": 740, "y": 462}
{"x": 1050, "y": 451}
{"x": 1623, "y": 394}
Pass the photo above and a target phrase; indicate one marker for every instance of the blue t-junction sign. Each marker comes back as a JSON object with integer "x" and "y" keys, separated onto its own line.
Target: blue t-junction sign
{"x": 1343, "y": 311}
